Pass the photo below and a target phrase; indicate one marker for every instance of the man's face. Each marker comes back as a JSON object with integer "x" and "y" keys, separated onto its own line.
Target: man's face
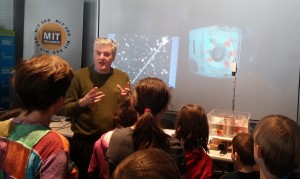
{"x": 103, "y": 58}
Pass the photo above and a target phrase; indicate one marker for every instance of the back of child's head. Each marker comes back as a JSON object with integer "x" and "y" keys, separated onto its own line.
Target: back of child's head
{"x": 150, "y": 98}
{"x": 150, "y": 93}
{"x": 192, "y": 127}
{"x": 242, "y": 144}
{"x": 147, "y": 164}
{"x": 277, "y": 139}
{"x": 40, "y": 81}
{"x": 124, "y": 115}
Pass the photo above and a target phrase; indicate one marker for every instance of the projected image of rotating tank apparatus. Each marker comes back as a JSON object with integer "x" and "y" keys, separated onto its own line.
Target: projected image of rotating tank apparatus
{"x": 212, "y": 50}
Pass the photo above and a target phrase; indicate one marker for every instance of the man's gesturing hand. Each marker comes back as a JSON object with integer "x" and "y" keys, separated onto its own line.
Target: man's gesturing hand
{"x": 126, "y": 90}
{"x": 91, "y": 97}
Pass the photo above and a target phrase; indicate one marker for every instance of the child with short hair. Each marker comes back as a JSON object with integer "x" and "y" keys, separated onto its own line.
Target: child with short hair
{"x": 243, "y": 158}
{"x": 29, "y": 148}
{"x": 147, "y": 163}
{"x": 277, "y": 147}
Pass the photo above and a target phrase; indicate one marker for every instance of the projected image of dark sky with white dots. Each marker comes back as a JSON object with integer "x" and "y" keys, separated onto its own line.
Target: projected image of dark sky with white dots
{"x": 144, "y": 56}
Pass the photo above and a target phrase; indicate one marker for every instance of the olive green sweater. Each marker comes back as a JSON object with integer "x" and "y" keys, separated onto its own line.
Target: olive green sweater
{"x": 97, "y": 118}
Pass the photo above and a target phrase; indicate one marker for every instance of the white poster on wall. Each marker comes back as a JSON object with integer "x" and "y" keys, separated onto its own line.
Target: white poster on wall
{"x": 54, "y": 27}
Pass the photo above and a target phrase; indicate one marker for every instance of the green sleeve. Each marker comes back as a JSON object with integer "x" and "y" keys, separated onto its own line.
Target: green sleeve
{"x": 71, "y": 105}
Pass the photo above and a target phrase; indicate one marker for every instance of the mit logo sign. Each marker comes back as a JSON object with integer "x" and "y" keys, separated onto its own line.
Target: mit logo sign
{"x": 51, "y": 37}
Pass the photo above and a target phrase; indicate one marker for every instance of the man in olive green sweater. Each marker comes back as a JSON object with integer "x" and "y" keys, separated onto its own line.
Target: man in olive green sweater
{"x": 93, "y": 95}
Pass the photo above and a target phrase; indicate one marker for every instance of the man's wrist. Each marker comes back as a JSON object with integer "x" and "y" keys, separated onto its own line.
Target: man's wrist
{"x": 80, "y": 103}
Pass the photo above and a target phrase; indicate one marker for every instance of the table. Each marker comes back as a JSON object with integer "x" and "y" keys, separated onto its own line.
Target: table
{"x": 62, "y": 125}
{"x": 214, "y": 154}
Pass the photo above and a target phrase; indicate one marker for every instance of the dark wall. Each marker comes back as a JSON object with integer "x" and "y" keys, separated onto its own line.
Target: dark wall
{"x": 19, "y": 27}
